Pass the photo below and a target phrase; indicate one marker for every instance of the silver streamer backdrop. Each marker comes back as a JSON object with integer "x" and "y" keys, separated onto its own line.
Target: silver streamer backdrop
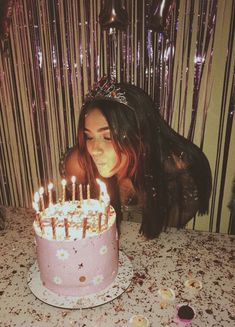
{"x": 52, "y": 51}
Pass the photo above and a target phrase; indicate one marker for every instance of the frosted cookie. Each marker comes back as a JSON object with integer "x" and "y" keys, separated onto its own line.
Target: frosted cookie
{"x": 193, "y": 284}
{"x": 166, "y": 294}
{"x": 138, "y": 321}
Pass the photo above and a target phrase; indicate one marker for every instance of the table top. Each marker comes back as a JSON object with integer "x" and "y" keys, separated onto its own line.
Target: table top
{"x": 168, "y": 261}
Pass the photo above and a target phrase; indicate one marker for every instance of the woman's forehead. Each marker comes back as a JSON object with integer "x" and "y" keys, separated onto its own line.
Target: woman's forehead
{"x": 96, "y": 121}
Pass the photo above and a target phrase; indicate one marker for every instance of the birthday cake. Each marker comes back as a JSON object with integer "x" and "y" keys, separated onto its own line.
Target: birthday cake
{"x": 77, "y": 245}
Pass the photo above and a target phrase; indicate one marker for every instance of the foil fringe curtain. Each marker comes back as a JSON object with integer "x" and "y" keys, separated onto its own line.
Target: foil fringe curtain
{"x": 57, "y": 50}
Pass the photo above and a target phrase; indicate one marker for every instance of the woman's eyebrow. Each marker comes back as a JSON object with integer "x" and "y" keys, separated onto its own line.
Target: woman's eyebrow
{"x": 101, "y": 129}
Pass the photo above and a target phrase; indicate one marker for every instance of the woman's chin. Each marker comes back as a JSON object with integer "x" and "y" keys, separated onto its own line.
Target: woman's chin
{"x": 105, "y": 174}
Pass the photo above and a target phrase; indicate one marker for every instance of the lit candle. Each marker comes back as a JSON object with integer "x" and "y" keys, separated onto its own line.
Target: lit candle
{"x": 99, "y": 221}
{"x": 41, "y": 223}
{"x": 50, "y": 187}
{"x": 41, "y": 192}
{"x": 88, "y": 193}
{"x": 104, "y": 201}
{"x": 84, "y": 227}
{"x": 38, "y": 214}
{"x": 53, "y": 225}
{"x": 66, "y": 227}
{"x": 73, "y": 179}
{"x": 63, "y": 183}
{"x": 80, "y": 193}
{"x": 36, "y": 207}
{"x": 104, "y": 197}
{"x": 107, "y": 211}
{"x": 36, "y": 201}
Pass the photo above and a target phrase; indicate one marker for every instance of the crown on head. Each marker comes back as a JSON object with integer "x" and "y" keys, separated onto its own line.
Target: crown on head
{"x": 107, "y": 88}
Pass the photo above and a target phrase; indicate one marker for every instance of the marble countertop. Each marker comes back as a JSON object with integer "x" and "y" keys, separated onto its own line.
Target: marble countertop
{"x": 168, "y": 261}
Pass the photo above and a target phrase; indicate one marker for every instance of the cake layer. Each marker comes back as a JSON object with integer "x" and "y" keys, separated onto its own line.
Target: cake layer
{"x": 78, "y": 266}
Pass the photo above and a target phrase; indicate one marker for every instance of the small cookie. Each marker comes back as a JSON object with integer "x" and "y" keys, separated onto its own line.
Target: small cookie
{"x": 139, "y": 321}
{"x": 193, "y": 284}
{"x": 166, "y": 294}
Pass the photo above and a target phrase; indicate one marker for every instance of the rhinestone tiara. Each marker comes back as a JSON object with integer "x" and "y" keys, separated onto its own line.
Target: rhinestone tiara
{"x": 107, "y": 88}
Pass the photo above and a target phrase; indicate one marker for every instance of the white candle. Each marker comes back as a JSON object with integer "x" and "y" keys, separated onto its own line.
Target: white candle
{"x": 73, "y": 179}
{"x": 36, "y": 207}
{"x": 38, "y": 214}
{"x": 104, "y": 202}
{"x": 80, "y": 193}
{"x": 107, "y": 211}
{"x": 36, "y": 201}
{"x": 41, "y": 223}
{"x": 84, "y": 227}
{"x": 63, "y": 183}
{"x": 41, "y": 192}
{"x": 99, "y": 221}
{"x": 104, "y": 197}
{"x": 53, "y": 225}
{"x": 66, "y": 227}
{"x": 88, "y": 194}
{"x": 50, "y": 187}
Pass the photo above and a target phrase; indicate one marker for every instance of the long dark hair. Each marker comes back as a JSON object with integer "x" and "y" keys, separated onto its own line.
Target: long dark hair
{"x": 154, "y": 152}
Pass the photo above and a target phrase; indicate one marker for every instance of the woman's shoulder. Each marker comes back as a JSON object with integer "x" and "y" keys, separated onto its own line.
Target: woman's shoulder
{"x": 70, "y": 164}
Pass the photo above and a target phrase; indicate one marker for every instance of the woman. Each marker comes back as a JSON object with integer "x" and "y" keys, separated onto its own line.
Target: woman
{"x": 123, "y": 139}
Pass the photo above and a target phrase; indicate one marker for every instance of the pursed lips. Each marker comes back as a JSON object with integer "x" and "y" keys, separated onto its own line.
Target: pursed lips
{"x": 100, "y": 163}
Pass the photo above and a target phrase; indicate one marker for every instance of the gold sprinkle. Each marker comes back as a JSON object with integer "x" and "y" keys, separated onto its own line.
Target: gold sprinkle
{"x": 82, "y": 279}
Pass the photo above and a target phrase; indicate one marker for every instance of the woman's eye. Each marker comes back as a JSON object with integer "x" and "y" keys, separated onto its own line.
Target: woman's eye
{"x": 99, "y": 138}
{"x": 88, "y": 137}
{"x": 107, "y": 138}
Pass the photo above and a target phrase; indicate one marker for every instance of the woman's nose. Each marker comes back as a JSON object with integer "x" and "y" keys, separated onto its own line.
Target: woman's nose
{"x": 96, "y": 147}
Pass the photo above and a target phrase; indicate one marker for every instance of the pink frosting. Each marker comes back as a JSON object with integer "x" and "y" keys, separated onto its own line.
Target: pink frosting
{"x": 78, "y": 267}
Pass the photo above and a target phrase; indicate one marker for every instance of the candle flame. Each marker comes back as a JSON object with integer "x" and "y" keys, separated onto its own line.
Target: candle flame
{"x": 103, "y": 191}
{"x": 73, "y": 179}
{"x": 36, "y": 197}
{"x": 102, "y": 186}
{"x": 41, "y": 190}
{"x": 63, "y": 182}
{"x": 35, "y": 206}
{"x": 50, "y": 186}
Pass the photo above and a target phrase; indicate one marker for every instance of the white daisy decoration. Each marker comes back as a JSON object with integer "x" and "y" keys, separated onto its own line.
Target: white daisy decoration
{"x": 98, "y": 279}
{"x": 103, "y": 250}
{"x": 57, "y": 280}
{"x": 62, "y": 254}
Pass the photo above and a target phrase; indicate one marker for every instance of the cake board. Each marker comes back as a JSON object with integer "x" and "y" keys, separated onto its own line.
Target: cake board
{"x": 115, "y": 289}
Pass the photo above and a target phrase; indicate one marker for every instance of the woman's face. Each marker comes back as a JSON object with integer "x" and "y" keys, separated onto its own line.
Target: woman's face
{"x": 99, "y": 144}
